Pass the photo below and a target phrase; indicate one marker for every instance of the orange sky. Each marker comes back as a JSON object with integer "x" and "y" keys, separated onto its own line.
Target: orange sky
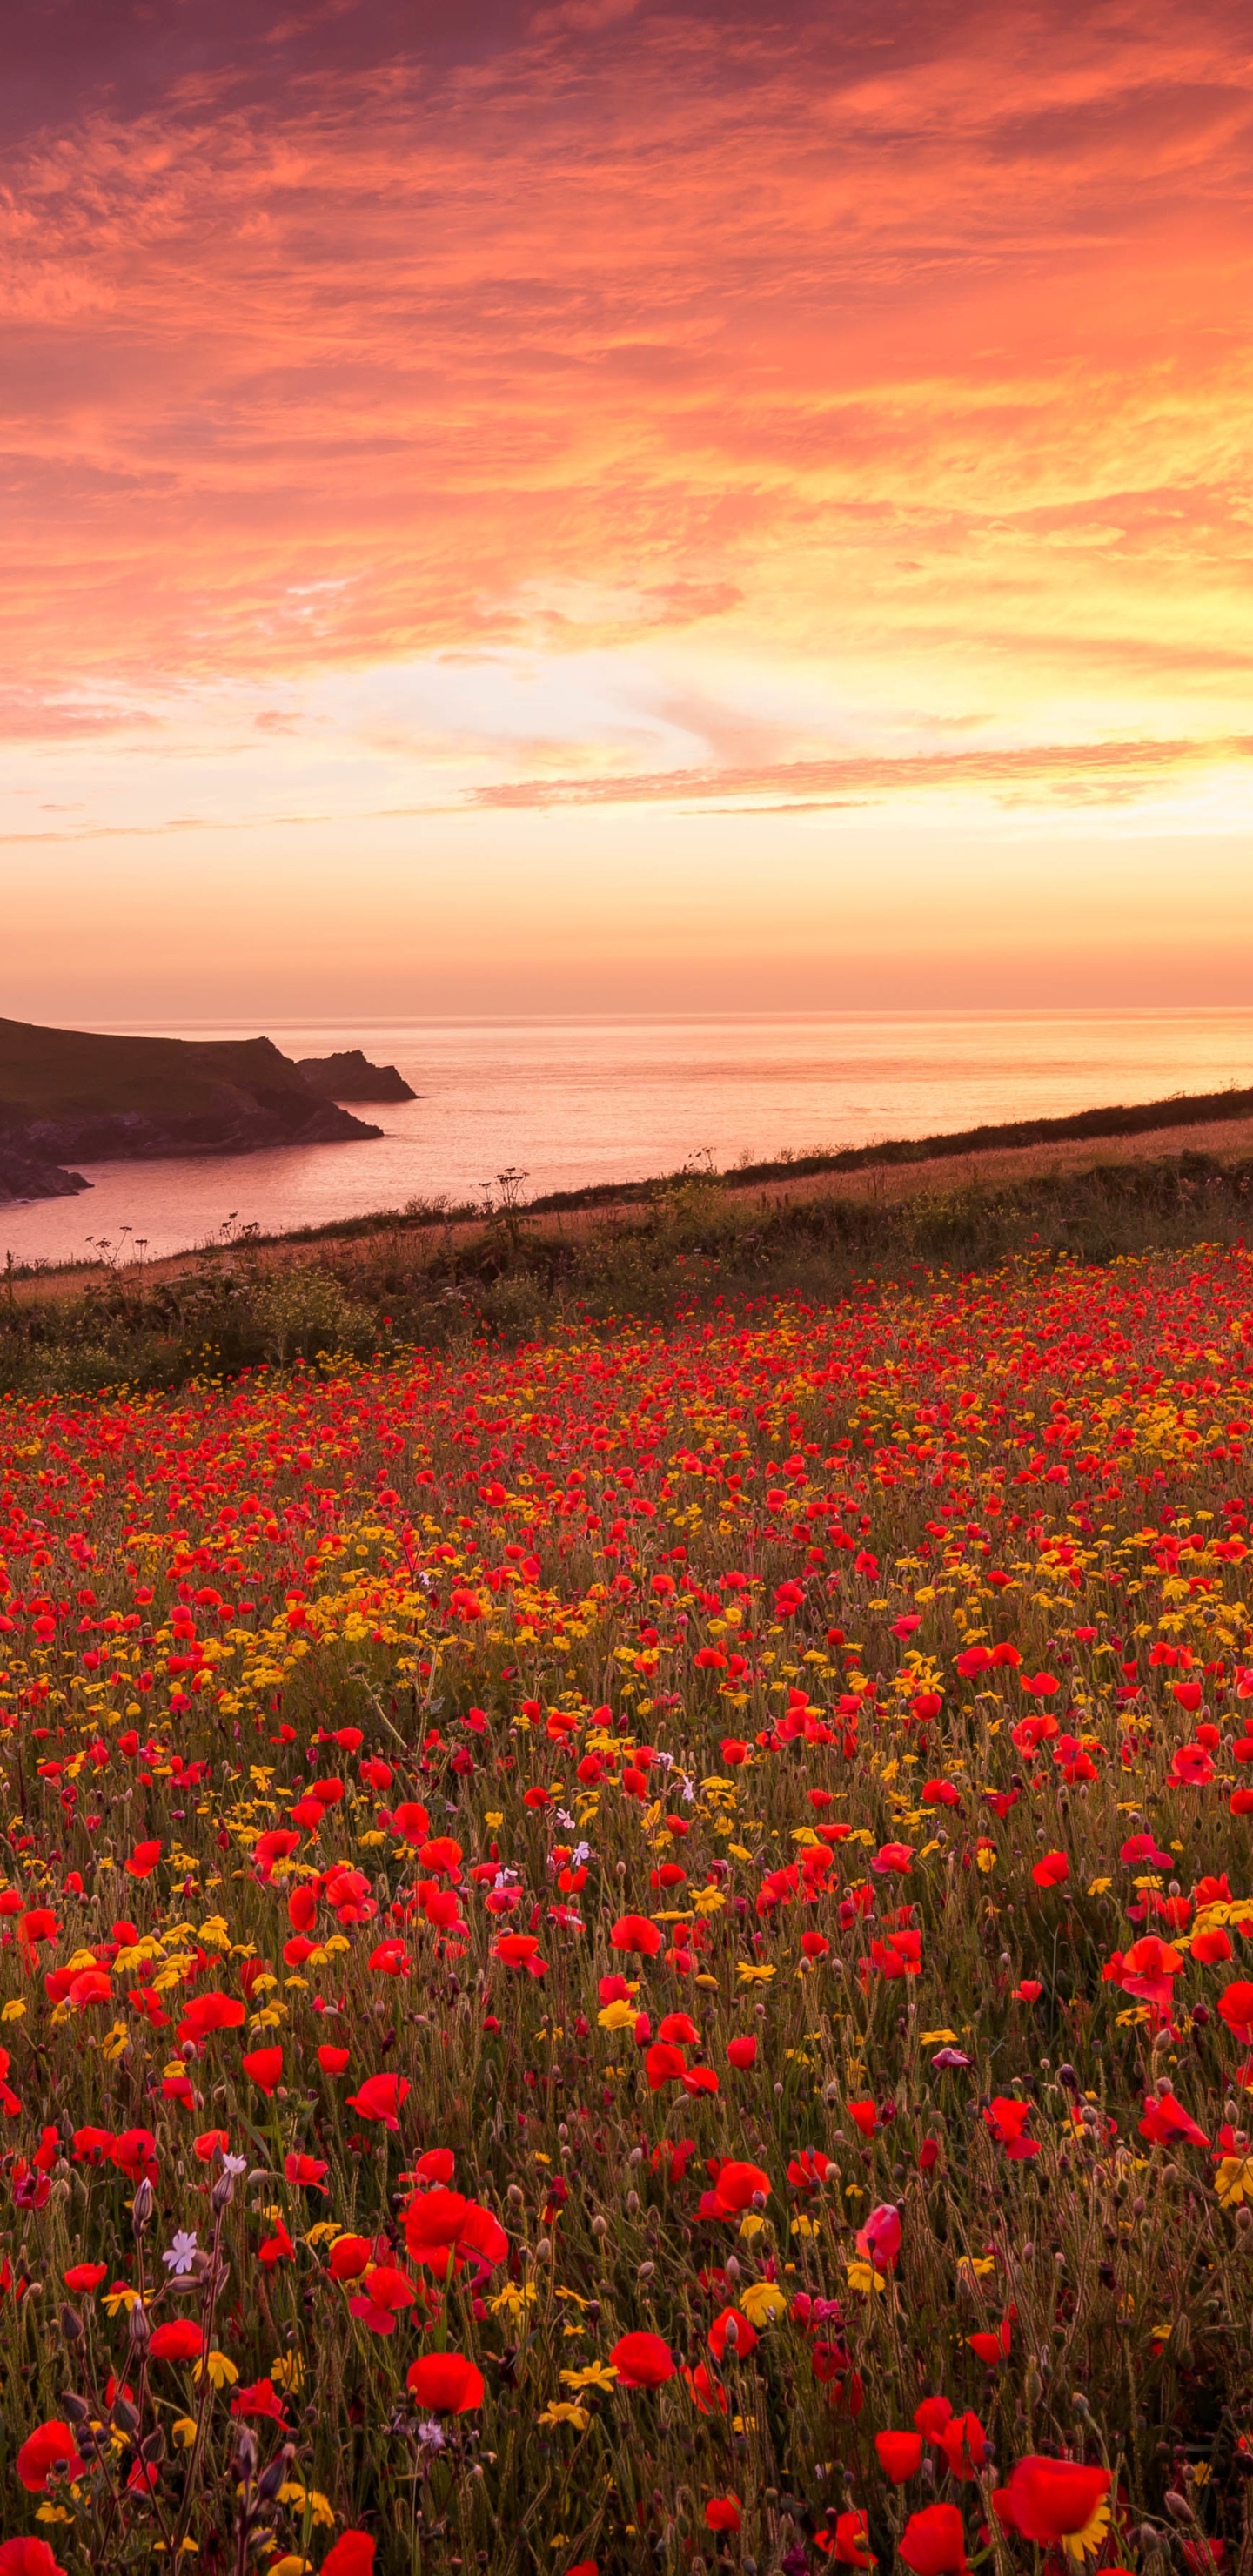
{"x": 624, "y": 505}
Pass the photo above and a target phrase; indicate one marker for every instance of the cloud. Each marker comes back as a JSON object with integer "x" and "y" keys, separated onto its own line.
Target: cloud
{"x": 1072, "y": 772}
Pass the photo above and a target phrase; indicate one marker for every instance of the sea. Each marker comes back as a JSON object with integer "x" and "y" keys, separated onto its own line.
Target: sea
{"x": 563, "y": 1102}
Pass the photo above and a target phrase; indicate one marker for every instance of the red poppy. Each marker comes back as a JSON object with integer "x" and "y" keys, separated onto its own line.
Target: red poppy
{"x": 265, "y": 2067}
{"x": 900, "y": 2455}
{"x": 446, "y": 2382}
{"x": 28, "y": 2557}
{"x": 742, "y": 2053}
{"x": 1007, "y": 2120}
{"x": 1167, "y": 2123}
{"x": 352, "y": 2555}
{"x": 386, "y": 2293}
{"x": 308, "y": 2172}
{"x": 1051, "y": 2500}
{"x": 51, "y": 2445}
{"x": 83, "y": 2278}
{"x": 964, "y": 2444}
{"x": 333, "y": 2061}
{"x": 350, "y": 2257}
{"x": 1235, "y": 2003}
{"x": 210, "y": 2012}
{"x": 143, "y": 1860}
{"x": 181, "y": 2340}
{"x": 736, "y": 2189}
{"x": 135, "y": 2154}
{"x": 732, "y": 2333}
{"x": 381, "y": 2097}
{"x": 1052, "y": 1870}
{"x": 723, "y": 2513}
{"x": 933, "y": 2542}
{"x": 636, "y": 1932}
{"x": 849, "y": 2545}
{"x": 642, "y": 2361}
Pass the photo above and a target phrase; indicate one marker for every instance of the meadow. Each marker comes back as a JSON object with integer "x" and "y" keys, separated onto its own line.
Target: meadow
{"x": 633, "y": 1949}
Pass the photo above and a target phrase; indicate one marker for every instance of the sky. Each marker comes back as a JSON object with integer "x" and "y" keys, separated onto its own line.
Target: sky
{"x": 610, "y": 505}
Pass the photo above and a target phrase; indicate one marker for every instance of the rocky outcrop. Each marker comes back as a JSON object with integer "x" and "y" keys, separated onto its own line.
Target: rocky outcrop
{"x": 349, "y": 1075}
{"x": 70, "y": 1096}
{"x": 24, "y": 1176}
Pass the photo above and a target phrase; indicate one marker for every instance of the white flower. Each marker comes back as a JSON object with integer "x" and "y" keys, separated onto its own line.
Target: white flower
{"x": 181, "y": 2254}
{"x": 430, "y": 2435}
{"x": 235, "y": 2164}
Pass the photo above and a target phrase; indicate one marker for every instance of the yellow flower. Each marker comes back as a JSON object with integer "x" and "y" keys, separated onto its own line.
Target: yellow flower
{"x": 183, "y": 2432}
{"x": 1233, "y": 2181}
{"x": 562, "y": 2412}
{"x": 937, "y": 2039}
{"x": 751, "y": 1974}
{"x": 762, "y": 2302}
{"x": 288, "y": 2371}
{"x": 13, "y": 2010}
{"x": 1085, "y": 2543}
{"x": 222, "y": 2372}
{"x": 863, "y": 2278}
{"x": 598, "y": 2374}
{"x": 617, "y": 2016}
{"x": 120, "y": 2298}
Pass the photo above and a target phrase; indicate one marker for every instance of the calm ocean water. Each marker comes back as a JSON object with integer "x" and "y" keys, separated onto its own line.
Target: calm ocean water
{"x": 570, "y": 1101}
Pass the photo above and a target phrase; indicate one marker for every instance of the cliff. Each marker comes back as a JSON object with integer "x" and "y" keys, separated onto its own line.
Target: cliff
{"x": 350, "y": 1076}
{"x": 69, "y": 1095}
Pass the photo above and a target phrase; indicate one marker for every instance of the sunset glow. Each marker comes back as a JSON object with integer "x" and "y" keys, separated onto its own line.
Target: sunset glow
{"x": 626, "y": 506}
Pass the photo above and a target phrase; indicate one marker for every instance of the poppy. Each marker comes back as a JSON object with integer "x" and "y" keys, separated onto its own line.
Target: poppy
{"x": 732, "y": 2333}
{"x": 900, "y": 2455}
{"x": 723, "y": 2513}
{"x": 1007, "y": 2119}
{"x": 333, "y": 2061}
{"x": 1236, "y": 2006}
{"x": 880, "y": 2238}
{"x": 381, "y": 2097}
{"x": 308, "y": 2172}
{"x": 209, "y": 2012}
{"x": 736, "y": 2189}
{"x": 964, "y": 2444}
{"x": 134, "y": 2154}
{"x": 352, "y": 2555}
{"x": 143, "y": 1860}
{"x": 742, "y": 2053}
{"x": 933, "y": 2542}
{"x": 1056, "y": 2500}
{"x": 28, "y": 2557}
{"x": 636, "y": 1932}
{"x": 642, "y": 2361}
{"x": 1167, "y": 2123}
{"x": 1052, "y": 1870}
{"x": 446, "y": 2382}
{"x": 181, "y": 2340}
{"x": 83, "y": 2278}
{"x": 387, "y": 2292}
{"x": 350, "y": 2257}
{"x": 50, "y": 2446}
{"x": 849, "y": 2544}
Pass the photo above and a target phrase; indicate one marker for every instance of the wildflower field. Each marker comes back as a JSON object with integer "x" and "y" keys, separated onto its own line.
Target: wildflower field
{"x": 637, "y": 1953}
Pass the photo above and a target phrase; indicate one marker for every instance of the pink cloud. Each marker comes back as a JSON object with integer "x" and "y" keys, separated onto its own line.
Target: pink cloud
{"x": 895, "y": 349}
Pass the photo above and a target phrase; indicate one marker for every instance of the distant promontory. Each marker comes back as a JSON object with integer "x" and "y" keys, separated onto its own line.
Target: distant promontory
{"x": 71, "y": 1095}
